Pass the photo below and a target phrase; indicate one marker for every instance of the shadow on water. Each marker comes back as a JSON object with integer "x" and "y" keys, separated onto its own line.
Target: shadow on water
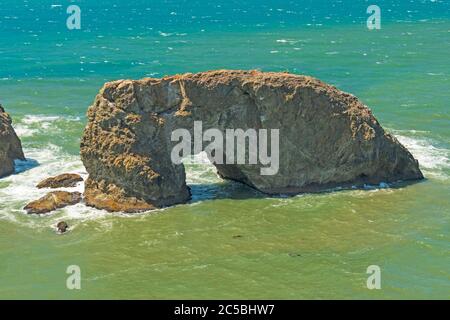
{"x": 230, "y": 189}
{"x": 223, "y": 190}
{"x": 25, "y": 165}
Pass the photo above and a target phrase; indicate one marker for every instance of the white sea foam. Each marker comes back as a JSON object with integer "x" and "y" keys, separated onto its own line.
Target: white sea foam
{"x": 32, "y": 124}
{"x": 24, "y": 131}
{"x": 289, "y": 41}
{"x": 165, "y": 34}
{"x": 199, "y": 170}
{"x": 21, "y": 187}
{"x": 50, "y": 161}
{"x": 432, "y": 160}
{"x": 30, "y": 119}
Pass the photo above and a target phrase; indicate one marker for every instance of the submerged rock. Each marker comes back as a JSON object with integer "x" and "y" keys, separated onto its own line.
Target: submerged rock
{"x": 62, "y": 227}
{"x": 327, "y": 138}
{"x": 10, "y": 146}
{"x": 52, "y": 201}
{"x": 65, "y": 180}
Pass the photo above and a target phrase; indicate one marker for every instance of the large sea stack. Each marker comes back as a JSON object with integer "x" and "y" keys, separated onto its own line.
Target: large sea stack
{"x": 327, "y": 138}
{"x": 10, "y": 146}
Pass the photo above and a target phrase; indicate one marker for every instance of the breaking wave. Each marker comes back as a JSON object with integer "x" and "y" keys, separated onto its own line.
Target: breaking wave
{"x": 31, "y": 125}
{"x": 433, "y": 159}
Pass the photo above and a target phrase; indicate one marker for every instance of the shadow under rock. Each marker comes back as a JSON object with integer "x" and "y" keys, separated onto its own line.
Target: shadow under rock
{"x": 231, "y": 189}
{"x": 24, "y": 165}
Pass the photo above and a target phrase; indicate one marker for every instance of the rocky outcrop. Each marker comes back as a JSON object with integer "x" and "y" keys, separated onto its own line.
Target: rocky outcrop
{"x": 56, "y": 199}
{"x": 65, "y": 180}
{"x": 327, "y": 138}
{"x": 52, "y": 201}
{"x": 62, "y": 227}
{"x": 10, "y": 146}
{"x": 111, "y": 198}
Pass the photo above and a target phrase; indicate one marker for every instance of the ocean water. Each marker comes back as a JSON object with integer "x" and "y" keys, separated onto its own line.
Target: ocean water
{"x": 229, "y": 241}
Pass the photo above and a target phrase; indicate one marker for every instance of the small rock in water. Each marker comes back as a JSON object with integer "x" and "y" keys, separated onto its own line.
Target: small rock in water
{"x": 65, "y": 180}
{"x": 52, "y": 201}
{"x": 292, "y": 254}
{"x": 62, "y": 226}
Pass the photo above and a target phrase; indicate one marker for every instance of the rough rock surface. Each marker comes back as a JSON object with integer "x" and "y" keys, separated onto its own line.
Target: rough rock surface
{"x": 328, "y": 138}
{"x": 65, "y": 180}
{"x": 62, "y": 226}
{"x": 10, "y": 146}
{"x": 52, "y": 201}
{"x": 112, "y": 198}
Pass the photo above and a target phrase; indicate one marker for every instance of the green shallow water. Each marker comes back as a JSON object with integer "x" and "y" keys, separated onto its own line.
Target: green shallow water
{"x": 313, "y": 246}
{"x": 230, "y": 241}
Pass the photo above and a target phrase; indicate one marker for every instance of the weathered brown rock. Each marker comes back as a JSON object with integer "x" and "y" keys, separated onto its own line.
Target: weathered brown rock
{"x": 111, "y": 198}
{"x": 62, "y": 226}
{"x": 65, "y": 180}
{"x": 327, "y": 137}
{"x": 10, "y": 146}
{"x": 52, "y": 201}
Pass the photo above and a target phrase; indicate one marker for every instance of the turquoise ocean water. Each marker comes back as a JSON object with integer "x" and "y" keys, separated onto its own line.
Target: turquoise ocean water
{"x": 230, "y": 241}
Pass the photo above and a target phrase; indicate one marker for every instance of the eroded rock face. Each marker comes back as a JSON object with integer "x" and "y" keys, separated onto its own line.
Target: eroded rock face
{"x": 327, "y": 138}
{"x": 10, "y": 146}
{"x": 111, "y": 198}
{"x": 65, "y": 180}
{"x": 62, "y": 227}
{"x": 52, "y": 201}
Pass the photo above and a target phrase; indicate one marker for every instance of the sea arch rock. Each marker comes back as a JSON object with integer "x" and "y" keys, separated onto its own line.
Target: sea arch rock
{"x": 328, "y": 138}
